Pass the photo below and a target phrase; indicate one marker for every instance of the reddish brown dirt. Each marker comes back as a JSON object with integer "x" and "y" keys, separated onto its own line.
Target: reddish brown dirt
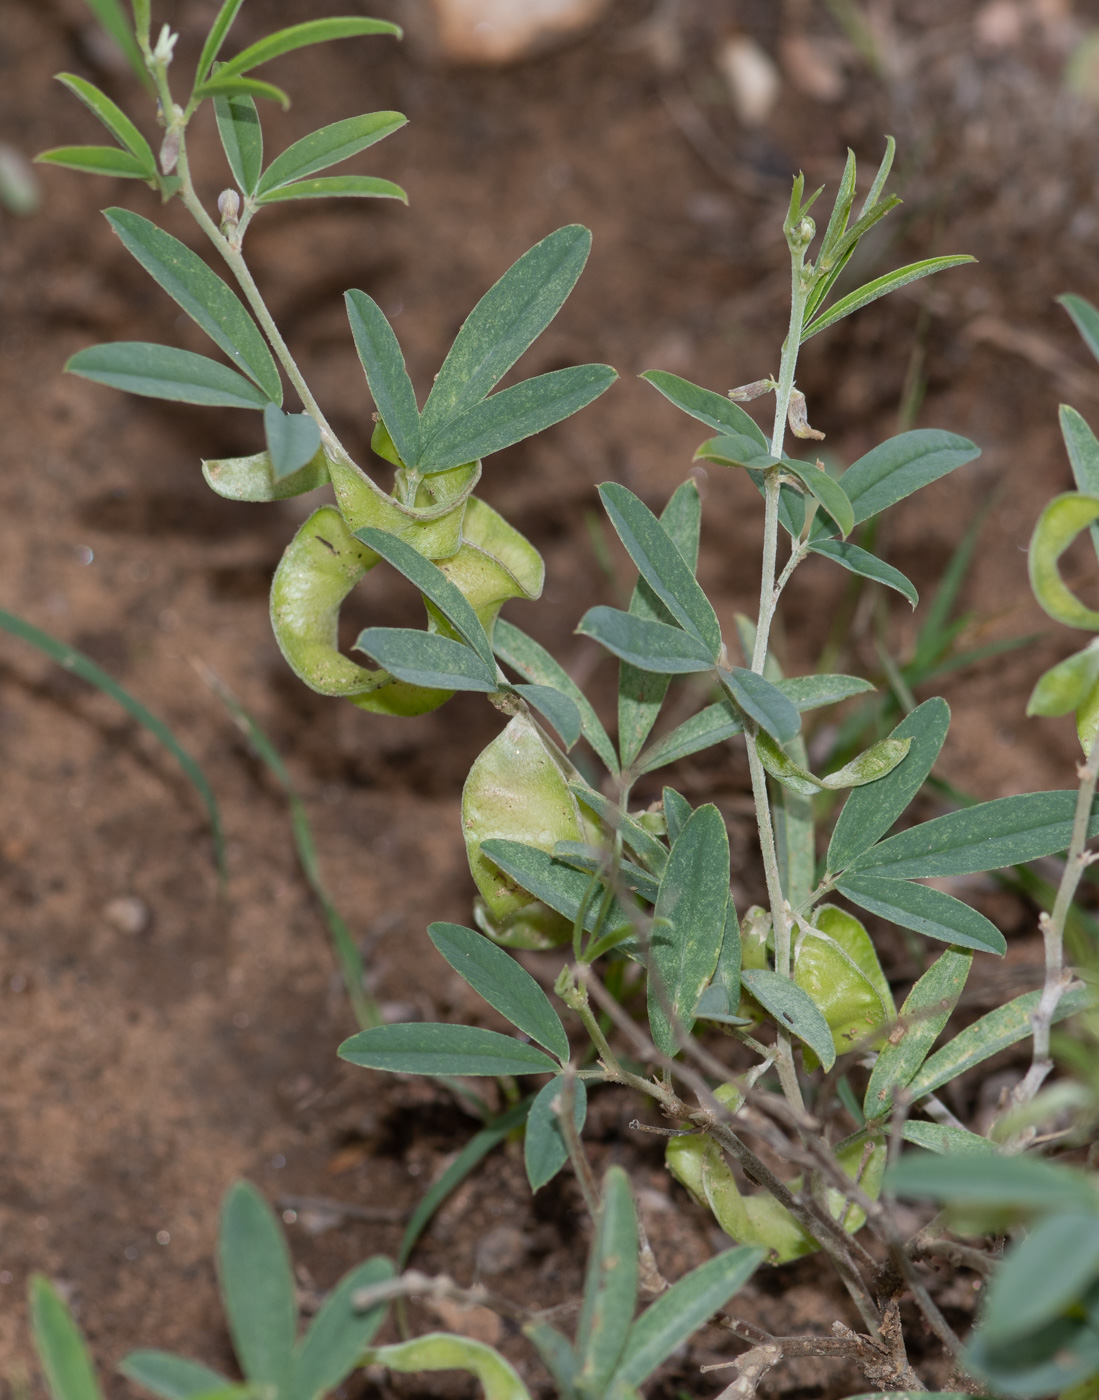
{"x": 144, "y": 1071}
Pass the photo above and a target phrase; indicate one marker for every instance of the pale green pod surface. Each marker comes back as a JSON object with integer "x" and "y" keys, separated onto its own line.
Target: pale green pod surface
{"x": 1058, "y": 525}
{"x": 518, "y": 789}
{"x": 433, "y": 526}
{"x": 253, "y": 478}
{"x": 494, "y": 564}
{"x": 1067, "y": 685}
{"x": 835, "y": 962}
{"x": 319, "y": 568}
{"x": 1087, "y": 718}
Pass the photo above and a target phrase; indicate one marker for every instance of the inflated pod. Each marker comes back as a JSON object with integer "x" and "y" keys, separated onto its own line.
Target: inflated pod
{"x": 518, "y": 789}
{"x": 253, "y": 478}
{"x": 835, "y": 962}
{"x": 433, "y": 526}
{"x": 495, "y": 563}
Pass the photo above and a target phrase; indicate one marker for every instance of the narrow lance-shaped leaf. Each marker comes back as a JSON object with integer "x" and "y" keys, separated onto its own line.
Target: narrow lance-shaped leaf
{"x": 709, "y": 408}
{"x": 163, "y": 372}
{"x": 762, "y": 702}
{"x": 171, "y": 1377}
{"x": 860, "y": 561}
{"x": 940, "y": 1137}
{"x": 257, "y": 1286}
{"x": 202, "y": 294}
{"x": 329, "y": 146}
{"x": 507, "y": 319}
{"x": 114, "y": 119}
{"x": 426, "y": 659}
{"x": 924, "y": 910}
{"x": 895, "y": 468}
{"x": 293, "y": 440}
{"x": 1042, "y": 1275}
{"x": 435, "y": 1048}
{"x": 880, "y": 287}
{"x": 96, "y": 160}
{"x": 1020, "y": 1183}
{"x": 610, "y": 1288}
{"x": 560, "y": 886}
{"x": 339, "y": 1333}
{"x": 235, "y": 86}
{"x": 544, "y": 1149}
{"x": 554, "y": 706}
{"x": 61, "y": 1348}
{"x": 1085, "y": 318}
{"x": 241, "y": 139}
{"x": 299, "y": 36}
{"x": 1083, "y": 453}
{"x": 386, "y": 374}
{"x": 216, "y": 37}
{"x": 828, "y": 493}
{"x": 793, "y": 1010}
{"x": 333, "y": 187}
{"x": 651, "y": 646}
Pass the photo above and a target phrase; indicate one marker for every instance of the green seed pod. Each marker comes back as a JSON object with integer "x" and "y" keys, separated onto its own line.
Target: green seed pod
{"x": 433, "y": 525}
{"x": 1087, "y": 718}
{"x": 253, "y": 478}
{"x": 835, "y": 962}
{"x": 518, "y": 789}
{"x": 495, "y": 563}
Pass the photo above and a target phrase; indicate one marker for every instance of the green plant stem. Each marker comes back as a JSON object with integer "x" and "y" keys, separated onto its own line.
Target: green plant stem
{"x": 577, "y": 1000}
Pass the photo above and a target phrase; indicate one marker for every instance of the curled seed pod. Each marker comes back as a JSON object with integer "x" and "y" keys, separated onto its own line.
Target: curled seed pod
{"x": 518, "y": 789}
{"x": 253, "y": 478}
{"x": 433, "y": 525}
{"x": 495, "y": 563}
{"x": 835, "y": 962}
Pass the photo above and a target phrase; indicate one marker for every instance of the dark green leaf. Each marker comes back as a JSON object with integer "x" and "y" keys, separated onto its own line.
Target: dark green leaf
{"x": 96, "y": 160}
{"x": 1006, "y": 831}
{"x": 1012, "y": 1183}
{"x": 793, "y": 1010}
{"x": 993, "y": 1032}
{"x": 650, "y": 646}
{"x": 861, "y": 561}
{"x": 593, "y": 860}
{"x": 116, "y": 22}
{"x": 646, "y": 846}
{"x": 299, "y": 36}
{"x": 709, "y": 408}
{"x": 61, "y": 1348}
{"x": 531, "y": 660}
{"x": 1042, "y": 1275}
{"x": 610, "y": 1288}
{"x": 507, "y": 319}
{"x": 721, "y": 999}
{"x": 811, "y": 692}
{"x": 690, "y": 924}
{"x": 841, "y": 212}
{"x": 880, "y": 287}
{"x": 216, "y": 37}
{"x": 202, "y": 294}
{"x": 895, "y": 468}
{"x": 340, "y": 1333}
{"x": 558, "y": 708}
{"x": 829, "y": 493}
{"x": 660, "y": 564}
{"x": 241, "y": 139}
{"x": 926, "y": 1010}
{"x": 710, "y": 726}
{"x": 940, "y": 1137}
{"x": 557, "y": 1356}
{"x": 1083, "y": 449}
{"x": 423, "y": 658}
{"x": 678, "y": 1313}
{"x": 512, "y": 415}
{"x": 433, "y": 1048}
{"x": 433, "y": 584}
{"x": 677, "y": 812}
{"x": 257, "y": 1287}
{"x": 172, "y": 1377}
{"x": 924, "y": 910}
{"x": 552, "y": 881}
{"x": 870, "y": 812}
{"x": 293, "y": 440}
{"x": 1067, "y": 685}
{"x": 544, "y": 1150}
{"x": 219, "y": 86}
{"x": 1060, "y": 1359}
{"x": 763, "y": 703}
{"x": 496, "y": 976}
{"x": 1085, "y": 318}
{"x": 737, "y": 450}
{"x": 334, "y": 186}
{"x": 385, "y": 373}
{"x": 328, "y": 147}
{"x": 114, "y": 119}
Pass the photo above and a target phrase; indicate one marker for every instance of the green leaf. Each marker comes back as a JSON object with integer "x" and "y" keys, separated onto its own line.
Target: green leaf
{"x": 829, "y": 493}
{"x": 328, "y": 146}
{"x": 993, "y": 1032}
{"x": 559, "y": 709}
{"x": 77, "y": 664}
{"x": 114, "y": 119}
{"x": 299, "y": 36}
{"x": 923, "y": 1016}
{"x": 477, "y": 1148}
{"x": 646, "y": 846}
{"x": 1058, "y": 525}
{"x": 660, "y": 564}
{"x": 241, "y": 139}
{"x": 939, "y": 1137}
{"x": 96, "y": 160}
{"x": 594, "y": 861}
{"x": 924, "y": 910}
{"x": 1060, "y": 1359}
{"x": 895, "y": 468}
{"x": 1067, "y": 685}
{"x": 677, "y": 812}
{"x": 552, "y": 881}
{"x": 880, "y": 287}
{"x": 434, "y": 585}
{"x": 222, "y": 86}
{"x": 763, "y": 703}
{"x": 496, "y": 976}
{"x": 610, "y": 1287}
{"x": 60, "y": 1347}
{"x": 444, "y": 1351}
{"x": 793, "y": 1009}
{"x": 828, "y": 688}
{"x": 257, "y": 1287}
{"x": 514, "y": 414}
{"x": 689, "y": 926}
{"x": 870, "y": 766}
{"x": 1042, "y": 1275}
{"x": 385, "y": 373}
{"x": 434, "y": 1048}
{"x": 1085, "y": 318}
{"x": 557, "y": 1356}
{"x": 737, "y": 450}
{"x": 680, "y": 1311}
{"x": 424, "y": 658}
{"x": 340, "y": 1333}
{"x": 710, "y": 726}
{"x": 1005, "y": 831}
{"x": 1012, "y": 1183}
{"x": 335, "y": 186}
{"x": 293, "y": 440}
{"x": 171, "y": 1377}
{"x": 117, "y": 25}
{"x": 216, "y": 37}
{"x": 869, "y": 812}
{"x": 650, "y": 646}
{"x": 203, "y": 295}
{"x": 507, "y": 319}
{"x": 525, "y": 655}
{"x": 1083, "y": 449}
{"x": 861, "y": 561}
{"x": 544, "y": 1150}
{"x": 709, "y": 408}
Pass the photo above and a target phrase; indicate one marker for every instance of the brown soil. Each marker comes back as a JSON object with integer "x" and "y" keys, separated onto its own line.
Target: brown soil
{"x": 144, "y": 1071}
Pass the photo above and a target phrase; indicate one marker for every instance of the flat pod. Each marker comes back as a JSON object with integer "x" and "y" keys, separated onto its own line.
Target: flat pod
{"x": 518, "y": 789}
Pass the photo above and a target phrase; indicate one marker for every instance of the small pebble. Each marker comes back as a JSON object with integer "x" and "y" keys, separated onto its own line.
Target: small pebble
{"x": 127, "y": 914}
{"x": 500, "y": 1249}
